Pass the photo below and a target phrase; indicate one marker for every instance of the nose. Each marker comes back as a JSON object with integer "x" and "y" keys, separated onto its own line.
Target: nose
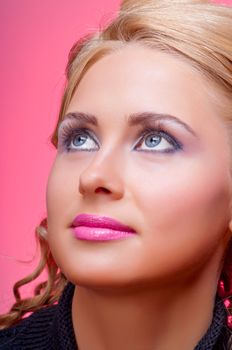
{"x": 103, "y": 176}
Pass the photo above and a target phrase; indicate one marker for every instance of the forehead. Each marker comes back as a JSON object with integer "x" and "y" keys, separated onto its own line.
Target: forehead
{"x": 137, "y": 79}
{"x": 135, "y": 65}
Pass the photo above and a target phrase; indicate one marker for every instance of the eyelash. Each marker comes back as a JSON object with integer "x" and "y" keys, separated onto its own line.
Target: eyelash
{"x": 160, "y": 131}
{"x": 68, "y": 132}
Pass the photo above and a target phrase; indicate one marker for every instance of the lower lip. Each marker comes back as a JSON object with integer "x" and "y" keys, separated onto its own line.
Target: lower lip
{"x": 99, "y": 234}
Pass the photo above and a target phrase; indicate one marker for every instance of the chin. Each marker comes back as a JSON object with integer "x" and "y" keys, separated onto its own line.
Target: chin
{"x": 98, "y": 278}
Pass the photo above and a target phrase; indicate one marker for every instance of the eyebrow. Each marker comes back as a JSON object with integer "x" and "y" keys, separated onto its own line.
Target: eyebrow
{"x": 133, "y": 119}
{"x": 82, "y": 117}
{"x": 146, "y": 117}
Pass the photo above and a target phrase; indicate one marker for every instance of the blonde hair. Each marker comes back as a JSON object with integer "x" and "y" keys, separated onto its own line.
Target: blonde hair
{"x": 195, "y": 30}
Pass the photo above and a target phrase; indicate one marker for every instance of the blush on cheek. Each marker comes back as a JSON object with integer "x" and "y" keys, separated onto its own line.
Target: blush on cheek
{"x": 195, "y": 204}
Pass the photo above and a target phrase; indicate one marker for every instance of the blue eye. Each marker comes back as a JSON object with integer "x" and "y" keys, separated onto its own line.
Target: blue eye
{"x": 82, "y": 141}
{"x": 72, "y": 139}
{"x": 79, "y": 140}
{"x": 157, "y": 141}
{"x": 152, "y": 140}
{"x": 76, "y": 139}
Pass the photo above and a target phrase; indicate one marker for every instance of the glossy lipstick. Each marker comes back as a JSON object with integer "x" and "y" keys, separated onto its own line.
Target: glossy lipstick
{"x": 99, "y": 228}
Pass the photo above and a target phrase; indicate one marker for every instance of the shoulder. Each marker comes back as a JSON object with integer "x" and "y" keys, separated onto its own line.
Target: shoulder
{"x": 30, "y": 331}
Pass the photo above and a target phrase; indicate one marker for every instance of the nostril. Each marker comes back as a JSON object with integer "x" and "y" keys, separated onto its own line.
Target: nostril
{"x": 102, "y": 189}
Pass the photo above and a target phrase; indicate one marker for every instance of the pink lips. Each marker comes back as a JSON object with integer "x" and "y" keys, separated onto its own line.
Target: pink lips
{"x": 99, "y": 228}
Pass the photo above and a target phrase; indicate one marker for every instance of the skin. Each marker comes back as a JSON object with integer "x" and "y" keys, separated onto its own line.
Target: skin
{"x": 131, "y": 293}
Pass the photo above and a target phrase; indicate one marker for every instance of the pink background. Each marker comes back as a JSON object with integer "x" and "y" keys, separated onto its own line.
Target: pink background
{"x": 35, "y": 39}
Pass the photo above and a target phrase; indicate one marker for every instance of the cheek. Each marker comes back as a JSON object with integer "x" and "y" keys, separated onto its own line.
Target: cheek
{"x": 62, "y": 186}
{"x": 183, "y": 206}
{"x": 63, "y": 181}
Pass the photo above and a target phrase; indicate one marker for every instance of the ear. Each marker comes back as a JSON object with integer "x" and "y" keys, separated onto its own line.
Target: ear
{"x": 230, "y": 225}
{"x": 42, "y": 230}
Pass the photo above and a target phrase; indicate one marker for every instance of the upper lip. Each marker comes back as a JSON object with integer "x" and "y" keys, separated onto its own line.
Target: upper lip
{"x": 92, "y": 220}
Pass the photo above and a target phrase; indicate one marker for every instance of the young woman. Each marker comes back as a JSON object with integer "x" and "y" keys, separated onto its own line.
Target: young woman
{"x": 137, "y": 237}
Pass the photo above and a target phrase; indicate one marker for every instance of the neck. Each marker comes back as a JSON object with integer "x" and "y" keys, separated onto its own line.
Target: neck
{"x": 155, "y": 317}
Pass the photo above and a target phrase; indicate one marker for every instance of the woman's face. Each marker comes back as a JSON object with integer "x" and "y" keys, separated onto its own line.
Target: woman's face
{"x": 155, "y": 158}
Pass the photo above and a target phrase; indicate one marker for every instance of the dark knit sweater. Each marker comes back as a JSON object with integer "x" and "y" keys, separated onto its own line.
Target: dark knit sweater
{"x": 51, "y": 329}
